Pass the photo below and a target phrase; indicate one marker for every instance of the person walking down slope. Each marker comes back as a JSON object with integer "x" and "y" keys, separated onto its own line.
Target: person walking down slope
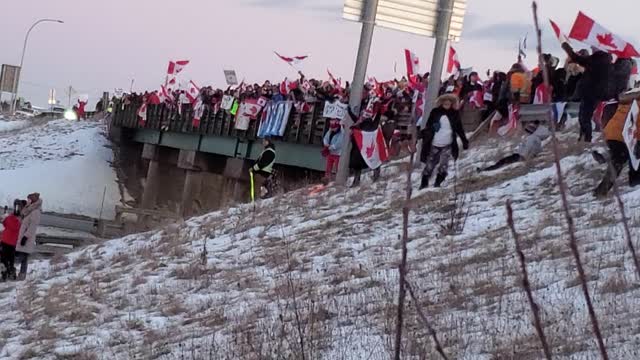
{"x": 332, "y": 141}
{"x": 530, "y": 148}
{"x": 264, "y": 167}
{"x": 440, "y": 139}
{"x": 10, "y": 235}
{"x": 368, "y": 121}
{"x": 593, "y": 86}
{"x": 31, "y": 215}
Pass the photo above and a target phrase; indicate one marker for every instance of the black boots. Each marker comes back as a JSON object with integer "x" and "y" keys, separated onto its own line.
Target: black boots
{"x": 356, "y": 179}
{"x": 440, "y": 179}
{"x": 376, "y": 175}
{"x": 425, "y": 182}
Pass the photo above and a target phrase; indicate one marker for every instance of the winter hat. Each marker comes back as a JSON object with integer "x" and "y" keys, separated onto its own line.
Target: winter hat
{"x": 448, "y": 97}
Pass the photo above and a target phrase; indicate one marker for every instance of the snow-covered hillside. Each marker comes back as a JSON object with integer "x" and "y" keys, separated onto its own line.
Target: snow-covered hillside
{"x": 318, "y": 276}
{"x": 68, "y": 163}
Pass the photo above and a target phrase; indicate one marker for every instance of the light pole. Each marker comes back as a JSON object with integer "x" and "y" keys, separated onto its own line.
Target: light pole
{"x": 24, "y": 49}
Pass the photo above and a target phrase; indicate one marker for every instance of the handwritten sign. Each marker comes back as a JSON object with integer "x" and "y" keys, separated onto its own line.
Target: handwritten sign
{"x": 231, "y": 77}
{"x": 335, "y": 110}
{"x": 630, "y": 128}
{"x": 227, "y": 102}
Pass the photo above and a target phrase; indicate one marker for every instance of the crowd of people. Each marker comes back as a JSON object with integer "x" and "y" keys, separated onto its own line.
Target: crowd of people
{"x": 19, "y": 236}
{"x": 590, "y": 78}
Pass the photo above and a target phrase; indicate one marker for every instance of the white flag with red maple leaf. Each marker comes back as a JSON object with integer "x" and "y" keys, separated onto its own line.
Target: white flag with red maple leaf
{"x": 590, "y": 32}
{"x": 372, "y": 147}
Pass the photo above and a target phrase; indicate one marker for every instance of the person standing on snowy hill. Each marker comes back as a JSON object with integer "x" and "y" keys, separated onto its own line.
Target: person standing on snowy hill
{"x": 81, "y": 110}
{"x": 332, "y": 141}
{"x": 619, "y": 154}
{"x": 264, "y": 167}
{"x": 368, "y": 121}
{"x": 10, "y": 235}
{"x": 440, "y": 139}
{"x": 27, "y": 238}
{"x": 593, "y": 86}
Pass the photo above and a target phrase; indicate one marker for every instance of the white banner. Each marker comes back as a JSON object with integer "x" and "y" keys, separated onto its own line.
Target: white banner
{"x": 629, "y": 132}
{"x": 335, "y": 110}
{"x": 227, "y": 102}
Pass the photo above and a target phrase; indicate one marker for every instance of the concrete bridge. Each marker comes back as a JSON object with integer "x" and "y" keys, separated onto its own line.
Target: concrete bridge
{"x": 191, "y": 170}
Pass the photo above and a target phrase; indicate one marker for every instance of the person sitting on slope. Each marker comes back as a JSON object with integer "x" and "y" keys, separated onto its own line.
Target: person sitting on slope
{"x": 528, "y": 149}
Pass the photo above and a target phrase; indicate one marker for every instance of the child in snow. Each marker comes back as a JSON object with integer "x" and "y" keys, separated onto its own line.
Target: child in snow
{"x": 11, "y": 224}
{"x": 530, "y": 148}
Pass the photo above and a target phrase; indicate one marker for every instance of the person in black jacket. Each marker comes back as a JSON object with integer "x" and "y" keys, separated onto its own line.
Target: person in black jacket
{"x": 593, "y": 86}
{"x": 264, "y": 166}
{"x": 439, "y": 139}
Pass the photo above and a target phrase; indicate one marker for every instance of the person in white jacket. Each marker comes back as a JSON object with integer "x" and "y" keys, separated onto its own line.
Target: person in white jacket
{"x": 31, "y": 215}
{"x": 528, "y": 149}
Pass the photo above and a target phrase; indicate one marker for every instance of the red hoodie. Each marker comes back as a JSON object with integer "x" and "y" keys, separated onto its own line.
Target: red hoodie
{"x": 11, "y": 230}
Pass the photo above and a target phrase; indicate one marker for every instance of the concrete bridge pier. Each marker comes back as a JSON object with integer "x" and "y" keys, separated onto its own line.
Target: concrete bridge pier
{"x": 236, "y": 170}
{"x": 151, "y": 185}
{"x": 191, "y": 191}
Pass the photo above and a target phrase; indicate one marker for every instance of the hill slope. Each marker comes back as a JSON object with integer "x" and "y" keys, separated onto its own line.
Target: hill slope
{"x": 318, "y": 275}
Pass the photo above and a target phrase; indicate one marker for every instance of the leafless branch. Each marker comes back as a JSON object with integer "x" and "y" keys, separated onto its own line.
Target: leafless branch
{"x": 426, "y": 322}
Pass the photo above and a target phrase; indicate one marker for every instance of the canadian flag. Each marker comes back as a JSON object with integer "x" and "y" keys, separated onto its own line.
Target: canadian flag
{"x": 543, "y": 95}
{"x": 372, "y": 147}
{"x": 262, "y": 101}
{"x": 286, "y": 86}
{"x": 559, "y": 34}
{"x": 175, "y": 67}
{"x": 198, "y": 112}
{"x": 413, "y": 63}
{"x": 172, "y": 83}
{"x": 337, "y": 83}
{"x": 453, "y": 65}
{"x": 293, "y": 61}
{"x": 477, "y": 99}
{"x": 192, "y": 92}
{"x": 588, "y": 31}
{"x": 512, "y": 124}
{"x": 164, "y": 95}
{"x": 142, "y": 114}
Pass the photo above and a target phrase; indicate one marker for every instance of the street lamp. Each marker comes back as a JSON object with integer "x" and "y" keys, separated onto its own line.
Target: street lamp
{"x": 24, "y": 49}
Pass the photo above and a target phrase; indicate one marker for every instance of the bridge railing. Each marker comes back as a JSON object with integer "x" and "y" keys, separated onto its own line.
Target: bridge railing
{"x": 302, "y": 128}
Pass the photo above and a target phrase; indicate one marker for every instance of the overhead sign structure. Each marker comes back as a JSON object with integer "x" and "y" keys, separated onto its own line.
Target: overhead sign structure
{"x": 413, "y": 16}
{"x": 52, "y": 97}
{"x": 9, "y": 77}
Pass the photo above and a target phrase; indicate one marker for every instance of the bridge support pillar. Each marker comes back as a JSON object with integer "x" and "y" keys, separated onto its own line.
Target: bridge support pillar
{"x": 150, "y": 194}
{"x": 237, "y": 171}
{"x": 192, "y": 182}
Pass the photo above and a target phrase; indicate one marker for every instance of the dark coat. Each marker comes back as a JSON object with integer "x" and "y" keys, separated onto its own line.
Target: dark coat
{"x": 433, "y": 123}
{"x": 595, "y": 81}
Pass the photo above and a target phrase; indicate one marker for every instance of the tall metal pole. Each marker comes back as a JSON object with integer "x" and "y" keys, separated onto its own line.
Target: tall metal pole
{"x": 24, "y": 49}
{"x": 355, "y": 98}
{"x": 445, "y": 10}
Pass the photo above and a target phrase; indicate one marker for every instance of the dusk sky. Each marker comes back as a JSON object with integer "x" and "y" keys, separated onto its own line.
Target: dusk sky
{"x": 105, "y": 44}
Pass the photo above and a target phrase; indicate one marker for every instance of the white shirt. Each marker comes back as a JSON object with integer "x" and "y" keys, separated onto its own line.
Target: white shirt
{"x": 444, "y": 136}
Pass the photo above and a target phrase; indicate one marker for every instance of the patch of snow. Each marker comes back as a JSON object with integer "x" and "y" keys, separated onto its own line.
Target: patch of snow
{"x": 68, "y": 163}
{"x": 6, "y": 126}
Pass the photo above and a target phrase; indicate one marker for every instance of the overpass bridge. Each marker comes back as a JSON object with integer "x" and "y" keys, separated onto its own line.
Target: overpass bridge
{"x": 190, "y": 166}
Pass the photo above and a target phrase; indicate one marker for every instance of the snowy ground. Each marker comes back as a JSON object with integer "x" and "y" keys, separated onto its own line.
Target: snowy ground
{"x": 68, "y": 163}
{"x": 6, "y": 126}
{"x": 320, "y": 273}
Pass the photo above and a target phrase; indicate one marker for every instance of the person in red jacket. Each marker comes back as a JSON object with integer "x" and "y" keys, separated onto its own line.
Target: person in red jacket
{"x": 10, "y": 235}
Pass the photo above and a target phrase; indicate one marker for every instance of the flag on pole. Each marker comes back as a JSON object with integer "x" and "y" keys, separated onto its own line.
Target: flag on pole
{"x": 562, "y": 38}
{"x": 543, "y": 95}
{"x": 589, "y": 32}
{"x": 192, "y": 92}
{"x": 522, "y": 47}
{"x": 372, "y": 147}
{"x": 512, "y": 123}
{"x": 453, "y": 65}
{"x": 175, "y": 67}
{"x": 337, "y": 83}
{"x": 198, "y": 112}
{"x": 413, "y": 63}
{"x": 292, "y": 61}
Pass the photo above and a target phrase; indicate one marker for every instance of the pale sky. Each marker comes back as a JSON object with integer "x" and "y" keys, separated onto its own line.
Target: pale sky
{"x": 105, "y": 44}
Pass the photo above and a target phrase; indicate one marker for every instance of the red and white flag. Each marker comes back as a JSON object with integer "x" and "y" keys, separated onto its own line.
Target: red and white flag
{"x": 262, "y": 101}
{"x": 337, "y": 83}
{"x": 453, "y": 65}
{"x": 562, "y": 38}
{"x": 543, "y": 95}
{"x": 413, "y": 63}
{"x": 372, "y": 147}
{"x": 476, "y": 100}
{"x": 164, "y": 95}
{"x": 142, "y": 114}
{"x": 293, "y": 61}
{"x": 198, "y": 112}
{"x": 192, "y": 92}
{"x": 588, "y": 31}
{"x": 175, "y": 67}
{"x": 512, "y": 124}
